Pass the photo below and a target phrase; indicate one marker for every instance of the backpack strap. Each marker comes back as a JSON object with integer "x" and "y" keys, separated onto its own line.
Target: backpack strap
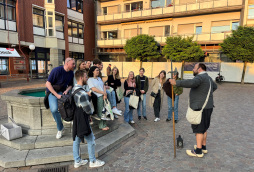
{"x": 76, "y": 91}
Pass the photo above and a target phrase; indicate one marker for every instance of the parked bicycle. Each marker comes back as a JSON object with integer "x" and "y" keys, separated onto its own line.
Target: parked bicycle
{"x": 219, "y": 78}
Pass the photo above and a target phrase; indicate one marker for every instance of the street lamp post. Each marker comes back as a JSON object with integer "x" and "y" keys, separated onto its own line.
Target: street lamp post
{"x": 31, "y": 47}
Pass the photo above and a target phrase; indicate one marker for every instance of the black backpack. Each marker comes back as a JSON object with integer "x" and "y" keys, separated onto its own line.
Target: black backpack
{"x": 67, "y": 106}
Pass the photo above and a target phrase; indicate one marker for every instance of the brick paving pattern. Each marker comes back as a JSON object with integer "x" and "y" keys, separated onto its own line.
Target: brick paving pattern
{"x": 230, "y": 138}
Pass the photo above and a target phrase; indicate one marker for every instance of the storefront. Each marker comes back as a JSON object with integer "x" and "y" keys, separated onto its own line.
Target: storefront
{"x": 40, "y": 60}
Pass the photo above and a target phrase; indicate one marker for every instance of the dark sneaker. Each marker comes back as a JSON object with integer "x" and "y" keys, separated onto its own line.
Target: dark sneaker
{"x": 176, "y": 121}
{"x": 193, "y": 153}
{"x": 167, "y": 120}
{"x": 204, "y": 151}
{"x": 145, "y": 117}
{"x": 139, "y": 117}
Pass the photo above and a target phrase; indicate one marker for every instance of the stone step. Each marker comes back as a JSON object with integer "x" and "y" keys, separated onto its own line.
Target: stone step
{"x": 14, "y": 158}
{"x": 28, "y": 142}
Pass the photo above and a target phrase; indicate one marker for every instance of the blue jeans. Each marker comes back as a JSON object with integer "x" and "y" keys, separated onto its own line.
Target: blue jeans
{"x": 90, "y": 146}
{"x": 54, "y": 110}
{"x": 175, "y": 107}
{"x": 128, "y": 113}
{"x": 143, "y": 103}
{"x": 112, "y": 98}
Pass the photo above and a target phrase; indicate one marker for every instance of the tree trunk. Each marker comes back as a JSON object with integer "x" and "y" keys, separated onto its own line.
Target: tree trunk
{"x": 182, "y": 70}
{"x": 244, "y": 69}
{"x": 140, "y": 64}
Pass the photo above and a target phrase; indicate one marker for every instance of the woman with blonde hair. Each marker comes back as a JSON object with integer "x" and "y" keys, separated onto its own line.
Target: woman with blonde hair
{"x": 157, "y": 94}
{"x": 129, "y": 89}
{"x": 81, "y": 65}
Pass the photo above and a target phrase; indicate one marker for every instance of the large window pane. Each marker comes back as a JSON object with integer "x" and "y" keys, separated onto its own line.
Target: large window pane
{"x": 219, "y": 29}
{"x": 251, "y": 14}
{"x": 235, "y": 25}
{"x": 1, "y": 11}
{"x": 59, "y": 25}
{"x": 158, "y": 3}
{"x": 198, "y": 29}
{"x": 112, "y": 35}
{"x": 37, "y": 11}
{"x": 167, "y": 30}
{"x": 3, "y": 66}
{"x": 73, "y": 5}
{"x": 37, "y": 20}
{"x": 137, "y": 6}
{"x": 75, "y": 30}
{"x": 50, "y": 21}
{"x": 68, "y": 4}
{"x": 69, "y": 29}
{"x": 80, "y": 6}
{"x": 10, "y": 2}
{"x": 11, "y": 13}
{"x": 80, "y": 32}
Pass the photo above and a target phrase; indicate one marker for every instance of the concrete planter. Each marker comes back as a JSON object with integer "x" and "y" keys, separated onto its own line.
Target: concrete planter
{"x": 30, "y": 113}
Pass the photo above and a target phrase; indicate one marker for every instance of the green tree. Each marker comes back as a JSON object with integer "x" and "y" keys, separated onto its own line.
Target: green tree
{"x": 142, "y": 47}
{"x": 182, "y": 49}
{"x": 240, "y": 46}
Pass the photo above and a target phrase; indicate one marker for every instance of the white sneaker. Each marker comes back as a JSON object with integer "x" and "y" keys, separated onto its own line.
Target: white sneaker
{"x": 119, "y": 111}
{"x": 97, "y": 163}
{"x": 115, "y": 111}
{"x": 104, "y": 117}
{"x": 116, "y": 117}
{"x": 156, "y": 119}
{"x": 132, "y": 122}
{"x": 82, "y": 162}
{"x": 59, "y": 134}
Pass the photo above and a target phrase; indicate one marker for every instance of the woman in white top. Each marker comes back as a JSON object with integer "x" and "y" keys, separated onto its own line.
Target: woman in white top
{"x": 96, "y": 85}
{"x": 157, "y": 94}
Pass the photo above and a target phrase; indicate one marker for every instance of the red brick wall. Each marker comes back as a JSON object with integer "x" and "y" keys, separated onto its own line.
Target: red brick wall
{"x": 25, "y": 18}
{"x": 89, "y": 29}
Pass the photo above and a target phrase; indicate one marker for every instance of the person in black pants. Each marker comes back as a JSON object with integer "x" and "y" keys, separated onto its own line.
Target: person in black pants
{"x": 157, "y": 94}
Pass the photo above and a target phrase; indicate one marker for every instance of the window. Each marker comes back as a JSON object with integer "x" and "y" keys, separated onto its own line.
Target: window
{"x": 198, "y": 30}
{"x": 136, "y": 6}
{"x": 109, "y": 34}
{"x": 75, "y": 30}
{"x": 235, "y": 25}
{"x": 50, "y": 23}
{"x": 38, "y": 17}
{"x": 81, "y": 31}
{"x": 251, "y": 12}
{"x": 76, "y": 5}
{"x": 8, "y": 11}
{"x": 158, "y": 4}
{"x": 129, "y": 33}
{"x": 167, "y": 30}
{"x": 220, "y": 26}
{"x": 50, "y": 1}
{"x": 4, "y": 66}
{"x": 156, "y": 31}
{"x": 59, "y": 23}
{"x": 105, "y": 9}
{"x": 76, "y": 55}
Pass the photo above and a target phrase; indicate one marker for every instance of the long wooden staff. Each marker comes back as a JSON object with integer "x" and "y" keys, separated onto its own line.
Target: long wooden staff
{"x": 173, "y": 111}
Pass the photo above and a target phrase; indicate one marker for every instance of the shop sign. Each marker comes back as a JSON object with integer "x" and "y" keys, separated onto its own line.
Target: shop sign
{"x": 8, "y": 52}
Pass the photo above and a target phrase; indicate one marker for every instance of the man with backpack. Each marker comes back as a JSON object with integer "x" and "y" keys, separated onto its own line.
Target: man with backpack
{"x": 60, "y": 82}
{"x": 81, "y": 127}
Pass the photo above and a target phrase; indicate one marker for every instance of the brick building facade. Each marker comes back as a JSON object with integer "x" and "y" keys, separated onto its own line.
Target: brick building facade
{"x": 58, "y": 29}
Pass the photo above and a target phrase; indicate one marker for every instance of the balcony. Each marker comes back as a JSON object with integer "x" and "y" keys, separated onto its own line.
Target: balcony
{"x": 204, "y": 38}
{"x": 173, "y": 11}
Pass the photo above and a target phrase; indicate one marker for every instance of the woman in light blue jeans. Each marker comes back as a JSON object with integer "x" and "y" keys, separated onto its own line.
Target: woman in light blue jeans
{"x": 129, "y": 88}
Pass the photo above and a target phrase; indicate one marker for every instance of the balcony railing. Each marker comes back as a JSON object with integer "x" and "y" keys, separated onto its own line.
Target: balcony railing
{"x": 223, "y": 4}
{"x": 204, "y": 37}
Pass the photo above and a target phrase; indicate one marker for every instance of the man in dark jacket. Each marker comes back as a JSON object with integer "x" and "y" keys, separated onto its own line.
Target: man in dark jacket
{"x": 81, "y": 99}
{"x": 199, "y": 85}
{"x": 142, "y": 84}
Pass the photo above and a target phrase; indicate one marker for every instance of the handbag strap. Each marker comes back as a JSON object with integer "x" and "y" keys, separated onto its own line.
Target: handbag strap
{"x": 207, "y": 97}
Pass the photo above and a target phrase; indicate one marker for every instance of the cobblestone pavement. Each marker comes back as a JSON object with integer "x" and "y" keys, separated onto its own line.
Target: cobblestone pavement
{"x": 230, "y": 138}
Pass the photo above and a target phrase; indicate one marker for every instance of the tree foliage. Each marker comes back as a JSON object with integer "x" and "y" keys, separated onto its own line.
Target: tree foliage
{"x": 182, "y": 49}
{"x": 240, "y": 45}
{"x": 142, "y": 47}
